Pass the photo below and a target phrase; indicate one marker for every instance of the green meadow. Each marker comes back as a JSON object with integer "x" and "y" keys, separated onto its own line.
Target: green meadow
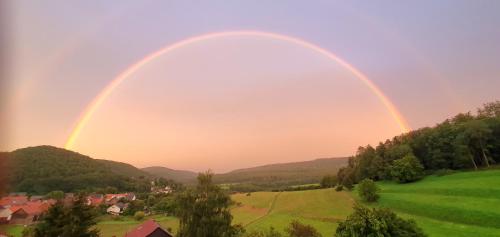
{"x": 459, "y": 204}
{"x": 321, "y": 208}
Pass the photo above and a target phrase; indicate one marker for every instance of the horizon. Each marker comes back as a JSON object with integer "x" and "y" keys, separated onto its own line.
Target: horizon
{"x": 194, "y": 85}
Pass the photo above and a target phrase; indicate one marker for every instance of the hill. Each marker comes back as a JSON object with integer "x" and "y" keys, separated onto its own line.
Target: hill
{"x": 459, "y": 204}
{"x": 182, "y": 176}
{"x": 41, "y": 169}
{"x": 276, "y": 175}
{"x": 124, "y": 168}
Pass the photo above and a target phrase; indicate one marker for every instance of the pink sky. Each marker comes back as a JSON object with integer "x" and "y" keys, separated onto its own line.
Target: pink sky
{"x": 240, "y": 102}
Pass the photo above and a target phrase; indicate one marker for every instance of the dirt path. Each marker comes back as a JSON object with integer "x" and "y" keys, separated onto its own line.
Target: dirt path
{"x": 271, "y": 208}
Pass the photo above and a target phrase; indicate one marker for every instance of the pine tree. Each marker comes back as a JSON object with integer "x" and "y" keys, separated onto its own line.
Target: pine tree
{"x": 77, "y": 220}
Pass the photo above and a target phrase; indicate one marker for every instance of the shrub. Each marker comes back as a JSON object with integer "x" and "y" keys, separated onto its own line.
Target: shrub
{"x": 269, "y": 233}
{"x": 339, "y": 188}
{"x": 139, "y": 215}
{"x": 377, "y": 222}
{"x": 368, "y": 190}
{"x": 297, "y": 229}
{"x": 407, "y": 169}
{"x": 328, "y": 181}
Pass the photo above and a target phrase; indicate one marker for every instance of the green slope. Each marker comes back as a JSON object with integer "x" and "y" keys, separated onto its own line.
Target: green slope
{"x": 276, "y": 175}
{"x": 460, "y": 204}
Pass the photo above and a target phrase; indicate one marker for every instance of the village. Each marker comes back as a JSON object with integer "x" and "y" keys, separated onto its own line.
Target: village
{"x": 23, "y": 209}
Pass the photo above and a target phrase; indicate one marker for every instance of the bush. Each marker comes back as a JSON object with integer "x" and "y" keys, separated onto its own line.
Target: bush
{"x": 297, "y": 229}
{"x": 368, "y": 190}
{"x": 269, "y": 233}
{"x": 328, "y": 181}
{"x": 339, "y": 188}
{"x": 377, "y": 222}
{"x": 407, "y": 169}
{"x": 139, "y": 215}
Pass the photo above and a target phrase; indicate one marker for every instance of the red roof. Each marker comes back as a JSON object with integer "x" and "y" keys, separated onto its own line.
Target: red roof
{"x": 13, "y": 200}
{"x": 96, "y": 201}
{"x": 32, "y": 208}
{"x": 146, "y": 229}
{"x": 117, "y": 196}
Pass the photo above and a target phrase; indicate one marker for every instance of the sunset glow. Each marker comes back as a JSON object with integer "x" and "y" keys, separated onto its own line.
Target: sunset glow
{"x": 90, "y": 110}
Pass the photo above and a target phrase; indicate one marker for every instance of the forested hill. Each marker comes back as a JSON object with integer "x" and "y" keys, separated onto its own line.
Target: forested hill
{"x": 284, "y": 174}
{"x": 42, "y": 169}
{"x": 466, "y": 141}
{"x": 182, "y": 176}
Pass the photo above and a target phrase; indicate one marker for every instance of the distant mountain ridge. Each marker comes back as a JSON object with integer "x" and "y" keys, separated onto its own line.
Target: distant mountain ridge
{"x": 286, "y": 173}
{"x": 41, "y": 169}
{"x": 183, "y": 176}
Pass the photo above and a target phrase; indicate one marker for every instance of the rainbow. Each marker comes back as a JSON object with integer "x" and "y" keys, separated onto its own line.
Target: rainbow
{"x": 101, "y": 97}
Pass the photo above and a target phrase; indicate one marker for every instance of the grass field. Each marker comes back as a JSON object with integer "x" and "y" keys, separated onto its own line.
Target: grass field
{"x": 12, "y": 230}
{"x": 320, "y": 208}
{"x": 460, "y": 204}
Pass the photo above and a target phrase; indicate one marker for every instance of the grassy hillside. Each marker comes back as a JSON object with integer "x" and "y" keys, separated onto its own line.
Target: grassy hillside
{"x": 460, "y": 204}
{"x": 182, "y": 176}
{"x": 285, "y": 173}
{"x": 43, "y": 169}
{"x": 320, "y": 208}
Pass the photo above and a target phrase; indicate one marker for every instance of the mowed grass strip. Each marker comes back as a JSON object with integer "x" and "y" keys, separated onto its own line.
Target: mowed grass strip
{"x": 459, "y": 204}
{"x": 437, "y": 228}
{"x": 465, "y": 210}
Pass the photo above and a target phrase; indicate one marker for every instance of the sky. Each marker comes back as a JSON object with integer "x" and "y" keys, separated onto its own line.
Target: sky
{"x": 240, "y": 100}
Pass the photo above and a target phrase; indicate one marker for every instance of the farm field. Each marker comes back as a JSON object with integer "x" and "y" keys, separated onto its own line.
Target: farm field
{"x": 320, "y": 208}
{"x": 459, "y": 204}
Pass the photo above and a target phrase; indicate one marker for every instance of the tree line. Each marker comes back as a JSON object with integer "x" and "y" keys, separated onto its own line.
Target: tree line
{"x": 466, "y": 141}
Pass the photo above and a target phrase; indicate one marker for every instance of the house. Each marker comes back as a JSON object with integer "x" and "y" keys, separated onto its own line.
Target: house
{"x": 95, "y": 199}
{"x": 149, "y": 228}
{"x": 114, "y": 198}
{"x": 5, "y": 215}
{"x": 164, "y": 190}
{"x": 69, "y": 198}
{"x": 25, "y": 213}
{"x": 28, "y": 213}
{"x": 117, "y": 209}
{"x": 36, "y": 198}
{"x": 9, "y": 201}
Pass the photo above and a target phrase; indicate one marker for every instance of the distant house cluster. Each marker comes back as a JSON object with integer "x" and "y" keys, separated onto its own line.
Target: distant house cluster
{"x": 117, "y": 203}
{"x": 160, "y": 189}
{"x": 17, "y": 208}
